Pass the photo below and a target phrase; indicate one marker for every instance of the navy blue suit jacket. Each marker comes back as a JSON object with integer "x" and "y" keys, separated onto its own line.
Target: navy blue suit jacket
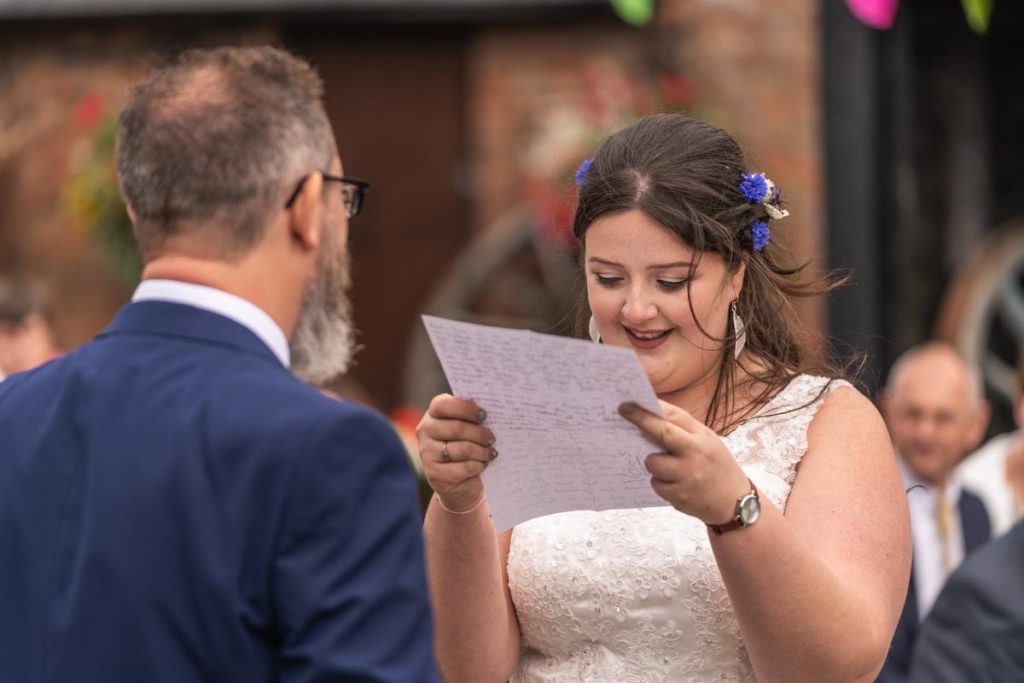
{"x": 176, "y": 507}
{"x": 975, "y": 630}
{"x": 976, "y": 531}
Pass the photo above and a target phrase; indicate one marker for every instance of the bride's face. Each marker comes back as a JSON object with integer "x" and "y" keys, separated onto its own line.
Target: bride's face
{"x": 651, "y": 292}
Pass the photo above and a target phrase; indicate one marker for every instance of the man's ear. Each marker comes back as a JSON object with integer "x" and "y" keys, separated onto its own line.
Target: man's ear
{"x": 131, "y": 213}
{"x": 304, "y": 214}
{"x": 980, "y": 423}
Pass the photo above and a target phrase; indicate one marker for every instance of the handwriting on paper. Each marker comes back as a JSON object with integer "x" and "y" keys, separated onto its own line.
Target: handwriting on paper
{"x": 552, "y": 405}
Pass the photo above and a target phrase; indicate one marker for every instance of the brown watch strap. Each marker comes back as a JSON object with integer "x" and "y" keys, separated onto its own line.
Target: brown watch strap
{"x": 735, "y": 522}
{"x": 720, "y": 529}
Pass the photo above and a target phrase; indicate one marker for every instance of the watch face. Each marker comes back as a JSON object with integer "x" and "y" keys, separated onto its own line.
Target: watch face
{"x": 750, "y": 509}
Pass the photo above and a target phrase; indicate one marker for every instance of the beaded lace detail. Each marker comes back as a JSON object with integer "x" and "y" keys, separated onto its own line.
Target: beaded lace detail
{"x": 631, "y": 596}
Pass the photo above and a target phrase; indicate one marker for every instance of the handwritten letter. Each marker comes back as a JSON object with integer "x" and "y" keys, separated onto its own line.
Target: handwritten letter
{"x": 552, "y": 405}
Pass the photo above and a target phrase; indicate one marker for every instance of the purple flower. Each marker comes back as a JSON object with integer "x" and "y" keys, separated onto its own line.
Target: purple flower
{"x": 759, "y": 235}
{"x": 754, "y": 187}
{"x": 581, "y": 172}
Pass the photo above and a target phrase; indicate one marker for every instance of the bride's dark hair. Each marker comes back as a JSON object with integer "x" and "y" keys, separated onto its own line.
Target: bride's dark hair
{"x": 685, "y": 175}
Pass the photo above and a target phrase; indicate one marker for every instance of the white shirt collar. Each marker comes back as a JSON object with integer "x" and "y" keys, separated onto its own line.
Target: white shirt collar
{"x": 954, "y": 484}
{"x": 929, "y": 562}
{"x": 218, "y": 301}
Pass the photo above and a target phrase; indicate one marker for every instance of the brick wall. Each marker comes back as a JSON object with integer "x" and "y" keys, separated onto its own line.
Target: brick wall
{"x": 757, "y": 66}
{"x": 754, "y": 67}
{"x": 54, "y": 80}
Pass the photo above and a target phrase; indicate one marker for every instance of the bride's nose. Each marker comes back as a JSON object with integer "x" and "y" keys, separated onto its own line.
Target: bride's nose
{"x": 638, "y": 307}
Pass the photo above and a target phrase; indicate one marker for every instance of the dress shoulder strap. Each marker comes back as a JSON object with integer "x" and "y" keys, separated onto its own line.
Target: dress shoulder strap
{"x": 775, "y": 439}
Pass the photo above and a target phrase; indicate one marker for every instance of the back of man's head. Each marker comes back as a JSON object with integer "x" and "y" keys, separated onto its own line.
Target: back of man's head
{"x": 210, "y": 145}
{"x": 20, "y": 298}
{"x": 26, "y": 339}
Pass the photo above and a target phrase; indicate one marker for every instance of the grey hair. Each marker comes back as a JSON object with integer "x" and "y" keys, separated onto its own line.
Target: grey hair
{"x": 212, "y": 144}
{"x": 975, "y": 384}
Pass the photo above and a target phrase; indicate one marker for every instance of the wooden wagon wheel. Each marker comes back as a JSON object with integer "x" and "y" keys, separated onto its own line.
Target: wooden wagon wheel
{"x": 509, "y": 275}
{"x": 983, "y": 310}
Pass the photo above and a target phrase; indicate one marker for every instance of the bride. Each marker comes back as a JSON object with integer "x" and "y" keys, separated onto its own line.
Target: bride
{"x": 783, "y": 550}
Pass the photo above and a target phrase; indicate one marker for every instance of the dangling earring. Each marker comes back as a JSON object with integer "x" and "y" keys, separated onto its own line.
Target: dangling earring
{"x": 739, "y": 331}
{"x": 595, "y": 336}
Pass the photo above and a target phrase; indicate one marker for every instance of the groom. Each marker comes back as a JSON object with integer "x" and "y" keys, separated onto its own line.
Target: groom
{"x": 175, "y": 506}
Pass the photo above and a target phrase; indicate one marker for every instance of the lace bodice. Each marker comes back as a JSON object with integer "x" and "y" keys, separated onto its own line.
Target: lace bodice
{"x": 630, "y": 596}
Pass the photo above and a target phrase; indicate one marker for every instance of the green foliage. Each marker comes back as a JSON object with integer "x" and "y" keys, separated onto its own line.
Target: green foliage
{"x": 94, "y": 199}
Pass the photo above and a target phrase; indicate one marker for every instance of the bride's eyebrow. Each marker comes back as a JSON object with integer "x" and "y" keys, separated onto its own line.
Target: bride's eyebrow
{"x": 674, "y": 264}
{"x": 656, "y": 266}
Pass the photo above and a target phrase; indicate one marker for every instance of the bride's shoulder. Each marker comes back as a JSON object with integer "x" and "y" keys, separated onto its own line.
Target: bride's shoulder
{"x": 815, "y": 390}
{"x": 842, "y": 407}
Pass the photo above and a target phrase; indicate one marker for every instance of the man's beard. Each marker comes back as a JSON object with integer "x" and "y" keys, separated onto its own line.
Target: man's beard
{"x": 325, "y": 337}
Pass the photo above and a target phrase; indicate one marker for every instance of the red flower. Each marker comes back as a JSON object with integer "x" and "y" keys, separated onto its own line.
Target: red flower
{"x": 89, "y": 111}
{"x": 676, "y": 90}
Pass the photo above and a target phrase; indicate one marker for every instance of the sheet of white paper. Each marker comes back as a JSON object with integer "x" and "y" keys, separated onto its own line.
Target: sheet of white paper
{"x": 552, "y": 405}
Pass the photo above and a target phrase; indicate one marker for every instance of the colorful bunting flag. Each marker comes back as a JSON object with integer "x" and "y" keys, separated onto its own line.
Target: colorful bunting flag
{"x": 876, "y": 13}
{"x": 635, "y": 12}
{"x": 979, "y": 13}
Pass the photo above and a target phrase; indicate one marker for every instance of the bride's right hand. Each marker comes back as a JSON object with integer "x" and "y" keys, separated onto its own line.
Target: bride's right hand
{"x": 455, "y": 448}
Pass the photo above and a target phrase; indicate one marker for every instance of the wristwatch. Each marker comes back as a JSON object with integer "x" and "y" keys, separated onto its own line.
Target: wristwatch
{"x": 748, "y": 509}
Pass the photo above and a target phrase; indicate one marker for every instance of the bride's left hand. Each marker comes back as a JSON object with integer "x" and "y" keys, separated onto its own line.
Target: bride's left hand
{"x": 696, "y": 473}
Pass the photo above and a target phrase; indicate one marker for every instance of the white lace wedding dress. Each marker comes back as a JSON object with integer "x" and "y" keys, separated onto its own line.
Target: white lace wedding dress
{"x": 628, "y": 596}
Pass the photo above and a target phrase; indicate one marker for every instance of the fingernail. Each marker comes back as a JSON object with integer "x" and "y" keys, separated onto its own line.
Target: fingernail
{"x": 481, "y": 416}
{"x": 493, "y": 454}
{"x": 490, "y": 440}
{"x": 627, "y": 408}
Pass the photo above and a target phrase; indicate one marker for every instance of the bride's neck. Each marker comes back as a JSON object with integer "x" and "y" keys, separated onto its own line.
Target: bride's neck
{"x": 734, "y": 400}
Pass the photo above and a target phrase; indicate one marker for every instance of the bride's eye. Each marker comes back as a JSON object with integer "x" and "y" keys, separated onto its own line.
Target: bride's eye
{"x": 607, "y": 280}
{"x": 672, "y": 285}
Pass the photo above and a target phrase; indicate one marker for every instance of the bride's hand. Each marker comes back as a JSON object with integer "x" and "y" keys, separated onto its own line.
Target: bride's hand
{"x": 696, "y": 473}
{"x": 455, "y": 448}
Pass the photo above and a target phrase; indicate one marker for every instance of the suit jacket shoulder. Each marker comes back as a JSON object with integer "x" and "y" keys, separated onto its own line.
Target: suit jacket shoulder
{"x": 234, "y": 523}
{"x": 975, "y": 629}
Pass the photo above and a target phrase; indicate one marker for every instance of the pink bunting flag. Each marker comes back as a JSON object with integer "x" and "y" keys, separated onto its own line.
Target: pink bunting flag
{"x": 875, "y": 13}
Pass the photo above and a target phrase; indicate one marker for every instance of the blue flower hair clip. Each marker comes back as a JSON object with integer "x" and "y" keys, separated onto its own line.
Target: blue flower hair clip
{"x": 581, "y": 172}
{"x": 754, "y": 187}
{"x": 757, "y": 189}
{"x": 759, "y": 235}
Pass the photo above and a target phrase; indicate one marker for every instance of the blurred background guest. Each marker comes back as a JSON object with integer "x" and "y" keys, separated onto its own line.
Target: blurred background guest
{"x": 975, "y": 630}
{"x": 26, "y": 338}
{"x": 936, "y": 413}
{"x": 996, "y": 470}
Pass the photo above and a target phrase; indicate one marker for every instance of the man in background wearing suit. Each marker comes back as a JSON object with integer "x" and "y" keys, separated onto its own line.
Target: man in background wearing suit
{"x": 936, "y": 413}
{"x": 175, "y": 505}
{"x": 976, "y": 627}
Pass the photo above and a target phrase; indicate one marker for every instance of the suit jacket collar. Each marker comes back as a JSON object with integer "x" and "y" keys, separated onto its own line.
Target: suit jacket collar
{"x": 168, "y": 319}
{"x": 974, "y": 520}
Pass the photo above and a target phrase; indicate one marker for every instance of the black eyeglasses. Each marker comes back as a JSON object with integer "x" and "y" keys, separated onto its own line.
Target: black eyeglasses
{"x": 353, "y": 190}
